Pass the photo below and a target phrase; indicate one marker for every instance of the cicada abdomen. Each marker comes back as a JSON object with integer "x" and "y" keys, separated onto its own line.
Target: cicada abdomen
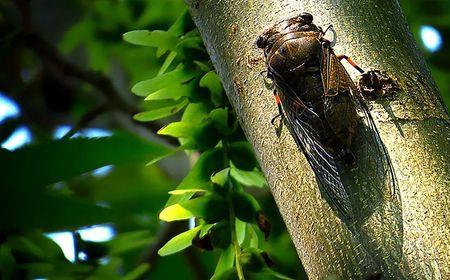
{"x": 327, "y": 116}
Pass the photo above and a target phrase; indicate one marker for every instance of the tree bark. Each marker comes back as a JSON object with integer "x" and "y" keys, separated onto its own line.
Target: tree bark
{"x": 407, "y": 236}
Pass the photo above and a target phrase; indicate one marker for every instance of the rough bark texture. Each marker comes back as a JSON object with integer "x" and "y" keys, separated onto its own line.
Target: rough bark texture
{"x": 404, "y": 236}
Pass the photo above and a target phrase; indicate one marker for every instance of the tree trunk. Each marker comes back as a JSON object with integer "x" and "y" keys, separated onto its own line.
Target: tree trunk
{"x": 406, "y": 236}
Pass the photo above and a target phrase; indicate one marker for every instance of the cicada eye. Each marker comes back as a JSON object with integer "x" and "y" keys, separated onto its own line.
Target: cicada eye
{"x": 306, "y": 18}
{"x": 261, "y": 42}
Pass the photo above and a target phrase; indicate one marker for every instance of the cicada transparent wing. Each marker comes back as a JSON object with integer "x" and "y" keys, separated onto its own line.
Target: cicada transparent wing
{"x": 374, "y": 170}
{"x": 303, "y": 123}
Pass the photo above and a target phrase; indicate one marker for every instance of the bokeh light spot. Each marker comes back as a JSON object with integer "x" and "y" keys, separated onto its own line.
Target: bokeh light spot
{"x": 18, "y": 138}
{"x": 431, "y": 38}
{"x": 8, "y": 108}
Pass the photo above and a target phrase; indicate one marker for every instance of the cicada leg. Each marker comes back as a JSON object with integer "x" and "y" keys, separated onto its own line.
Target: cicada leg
{"x": 352, "y": 63}
{"x": 280, "y": 109}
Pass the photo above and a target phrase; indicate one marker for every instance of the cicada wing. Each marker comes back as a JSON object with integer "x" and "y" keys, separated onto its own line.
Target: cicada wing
{"x": 367, "y": 144}
{"x": 303, "y": 122}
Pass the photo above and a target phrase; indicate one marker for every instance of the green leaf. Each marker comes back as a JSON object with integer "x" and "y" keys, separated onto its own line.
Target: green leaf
{"x": 58, "y": 160}
{"x": 276, "y": 275}
{"x": 252, "y": 261}
{"x": 253, "y": 237}
{"x": 167, "y": 62}
{"x": 211, "y": 81}
{"x": 225, "y": 263}
{"x": 205, "y": 67}
{"x": 182, "y": 24}
{"x": 205, "y": 230}
{"x": 245, "y": 206}
{"x": 179, "y": 75}
{"x": 221, "y": 177}
{"x": 137, "y": 272}
{"x": 240, "y": 230}
{"x": 253, "y": 178}
{"x": 210, "y": 207}
{"x": 50, "y": 213}
{"x": 220, "y": 120}
{"x": 241, "y": 154}
{"x": 178, "y": 28}
{"x": 162, "y": 112}
{"x": 196, "y": 112}
{"x": 179, "y": 242}
{"x": 7, "y": 262}
{"x": 208, "y": 163}
{"x": 174, "y": 92}
{"x": 37, "y": 269}
{"x": 187, "y": 191}
{"x": 157, "y": 38}
{"x": 201, "y": 135}
{"x": 187, "y": 44}
{"x": 180, "y": 129}
{"x": 175, "y": 212}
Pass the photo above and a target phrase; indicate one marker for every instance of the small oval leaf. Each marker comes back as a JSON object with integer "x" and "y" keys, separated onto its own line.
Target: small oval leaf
{"x": 179, "y": 242}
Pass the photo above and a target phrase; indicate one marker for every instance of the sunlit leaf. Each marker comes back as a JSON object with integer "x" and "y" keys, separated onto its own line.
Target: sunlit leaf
{"x": 226, "y": 262}
{"x": 253, "y": 178}
{"x": 162, "y": 112}
{"x": 240, "y": 230}
{"x": 175, "y": 212}
{"x": 208, "y": 163}
{"x": 220, "y": 177}
{"x": 253, "y": 237}
{"x": 179, "y": 242}
{"x": 209, "y": 207}
{"x": 167, "y": 62}
{"x": 202, "y": 135}
{"x": 180, "y": 75}
{"x": 205, "y": 230}
{"x": 187, "y": 191}
{"x": 174, "y": 92}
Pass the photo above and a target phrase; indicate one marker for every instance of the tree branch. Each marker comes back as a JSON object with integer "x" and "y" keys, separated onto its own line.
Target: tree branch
{"x": 403, "y": 238}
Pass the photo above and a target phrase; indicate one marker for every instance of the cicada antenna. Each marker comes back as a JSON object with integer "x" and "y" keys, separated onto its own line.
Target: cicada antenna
{"x": 333, "y": 41}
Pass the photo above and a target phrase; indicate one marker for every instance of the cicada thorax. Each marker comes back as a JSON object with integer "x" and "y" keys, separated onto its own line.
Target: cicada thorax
{"x": 297, "y": 58}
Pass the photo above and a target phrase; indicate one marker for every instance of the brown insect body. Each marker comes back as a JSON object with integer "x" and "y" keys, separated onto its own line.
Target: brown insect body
{"x": 319, "y": 102}
{"x": 294, "y": 51}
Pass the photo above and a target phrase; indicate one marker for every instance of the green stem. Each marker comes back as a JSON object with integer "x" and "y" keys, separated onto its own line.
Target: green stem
{"x": 237, "y": 248}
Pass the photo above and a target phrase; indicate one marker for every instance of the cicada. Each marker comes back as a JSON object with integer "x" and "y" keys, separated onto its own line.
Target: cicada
{"x": 325, "y": 112}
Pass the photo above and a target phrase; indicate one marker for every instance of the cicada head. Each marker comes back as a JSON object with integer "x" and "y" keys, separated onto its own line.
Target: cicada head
{"x": 305, "y": 18}
{"x": 299, "y": 23}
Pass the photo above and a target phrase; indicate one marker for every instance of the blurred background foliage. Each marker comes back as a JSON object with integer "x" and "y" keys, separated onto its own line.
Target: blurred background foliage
{"x": 80, "y": 201}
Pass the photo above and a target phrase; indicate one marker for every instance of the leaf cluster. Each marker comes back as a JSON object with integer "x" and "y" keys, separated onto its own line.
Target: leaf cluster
{"x": 213, "y": 194}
